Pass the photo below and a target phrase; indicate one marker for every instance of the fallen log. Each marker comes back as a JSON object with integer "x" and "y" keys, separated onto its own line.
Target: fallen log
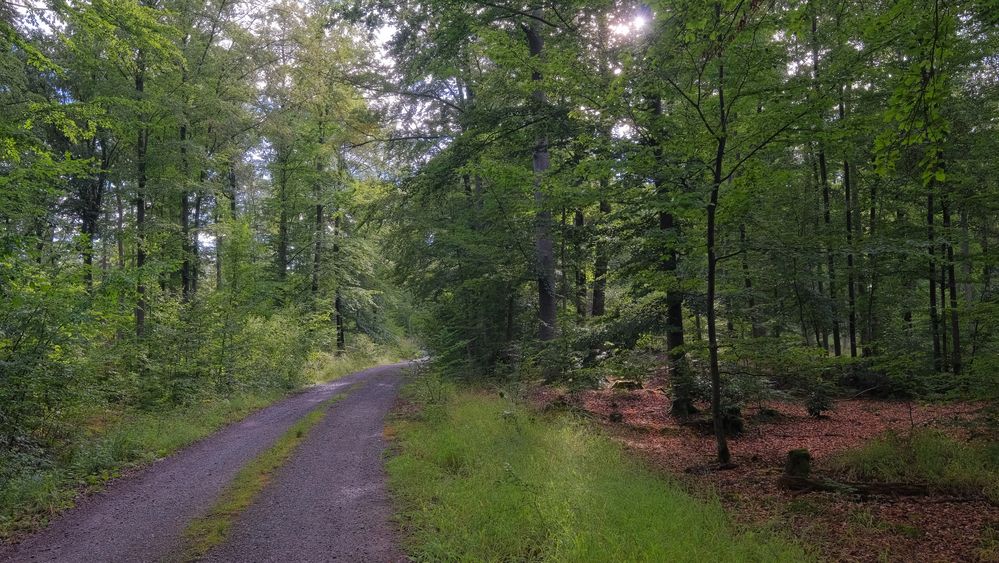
{"x": 796, "y": 478}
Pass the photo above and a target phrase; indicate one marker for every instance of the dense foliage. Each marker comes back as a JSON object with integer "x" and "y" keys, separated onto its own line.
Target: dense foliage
{"x": 761, "y": 196}
{"x": 790, "y": 194}
{"x": 184, "y": 189}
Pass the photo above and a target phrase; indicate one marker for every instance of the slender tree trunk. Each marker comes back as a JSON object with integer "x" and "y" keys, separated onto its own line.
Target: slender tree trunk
{"x": 545, "y": 256}
{"x": 821, "y": 332}
{"x": 824, "y": 183}
{"x": 674, "y": 297}
{"x": 120, "y": 227}
{"x": 511, "y": 304}
{"x": 195, "y": 246}
{"x": 830, "y": 259}
{"x": 140, "y": 204}
{"x": 724, "y": 456}
{"x": 317, "y": 245}
{"x": 282, "y": 250}
{"x": 967, "y": 287}
{"x": 758, "y": 330}
{"x": 92, "y": 201}
{"x": 320, "y": 225}
{"x": 931, "y": 249}
{"x": 578, "y": 223}
{"x": 870, "y": 326}
{"x": 600, "y": 262}
{"x": 185, "y": 219}
{"x": 233, "y": 189}
{"x": 942, "y": 284}
{"x": 955, "y": 324}
{"x": 851, "y": 290}
{"x": 985, "y": 293}
{"x": 341, "y": 335}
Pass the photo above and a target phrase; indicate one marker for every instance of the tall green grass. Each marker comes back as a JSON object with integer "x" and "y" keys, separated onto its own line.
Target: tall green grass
{"x": 926, "y": 456}
{"x": 31, "y": 494}
{"x": 478, "y": 478}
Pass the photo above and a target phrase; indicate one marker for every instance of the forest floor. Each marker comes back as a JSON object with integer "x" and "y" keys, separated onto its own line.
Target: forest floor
{"x": 326, "y": 495}
{"x": 841, "y": 527}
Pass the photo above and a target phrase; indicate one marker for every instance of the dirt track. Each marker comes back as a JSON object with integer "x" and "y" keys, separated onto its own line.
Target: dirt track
{"x": 328, "y": 503}
{"x": 333, "y": 483}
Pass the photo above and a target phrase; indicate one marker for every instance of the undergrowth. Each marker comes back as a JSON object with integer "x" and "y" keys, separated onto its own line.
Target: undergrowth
{"x": 926, "y": 456}
{"x": 480, "y": 478}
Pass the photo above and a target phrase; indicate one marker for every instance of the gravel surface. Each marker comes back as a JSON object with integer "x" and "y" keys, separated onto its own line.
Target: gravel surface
{"x": 328, "y": 502}
{"x": 141, "y": 517}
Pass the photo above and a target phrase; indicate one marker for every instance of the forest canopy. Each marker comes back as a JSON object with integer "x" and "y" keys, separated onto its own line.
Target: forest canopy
{"x": 197, "y": 198}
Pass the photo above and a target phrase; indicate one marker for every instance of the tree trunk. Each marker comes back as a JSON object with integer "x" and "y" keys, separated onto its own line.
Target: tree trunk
{"x": 282, "y": 250}
{"x": 942, "y": 284}
{"x": 578, "y": 223}
{"x": 757, "y": 330}
{"x": 870, "y": 326}
{"x": 931, "y": 249}
{"x": 674, "y": 298}
{"x": 185, "y": 219}
{"x": 341, "y": 336}
{"x": 544, "y": 248}
{"x": 320, "y": 226}
{"x": 851, "y": 290}
{"x": 724, "y": 456}
{"x": 955, "y": 324}
{"x": 824, "y": 183}
{"x": 140, "y": 204}
{"x": 92, "y": 202}
{"x": 600, "y": 263}
{"x": 120, "y": 227}
{"x": 968, "y": 288}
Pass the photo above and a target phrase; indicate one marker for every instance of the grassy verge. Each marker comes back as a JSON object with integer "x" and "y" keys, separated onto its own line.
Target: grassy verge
{"x": 29, "y": 497}
{"x": 926, "y": 456}
{"x": 210, "y": 530}
{"x": 480, "y": 478}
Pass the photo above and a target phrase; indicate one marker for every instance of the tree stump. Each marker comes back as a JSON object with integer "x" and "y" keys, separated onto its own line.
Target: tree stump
{"x": 799, "y": 463}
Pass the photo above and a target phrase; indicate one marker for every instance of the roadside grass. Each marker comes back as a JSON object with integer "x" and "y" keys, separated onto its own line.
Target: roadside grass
{"x": 205, "y": 532}
{"x": 926, "y": 456}
{"x": 117, "y": 441}
{"x": 480, "y": 478}
{"x": 30, "y": 498}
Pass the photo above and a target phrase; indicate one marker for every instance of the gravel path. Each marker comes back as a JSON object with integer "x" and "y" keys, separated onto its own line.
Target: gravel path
{"x": 328, "y": 502}
{"x": 142, "y": 517}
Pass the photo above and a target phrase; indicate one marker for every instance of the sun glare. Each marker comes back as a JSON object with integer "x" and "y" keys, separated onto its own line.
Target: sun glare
{"x": 628, "y": 27}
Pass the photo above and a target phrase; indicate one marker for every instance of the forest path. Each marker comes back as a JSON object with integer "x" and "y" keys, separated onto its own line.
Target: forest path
{"x": 328, "y": 502}
{"x": 142, "y": 517}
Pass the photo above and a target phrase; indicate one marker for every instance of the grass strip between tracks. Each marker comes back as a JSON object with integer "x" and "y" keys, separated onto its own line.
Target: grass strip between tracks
{"x": 210, "y": 530}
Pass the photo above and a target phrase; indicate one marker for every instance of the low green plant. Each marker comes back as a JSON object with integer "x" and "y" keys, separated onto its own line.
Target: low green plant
{"x": 488, "y": 480}
{"x": 926, "y": 456}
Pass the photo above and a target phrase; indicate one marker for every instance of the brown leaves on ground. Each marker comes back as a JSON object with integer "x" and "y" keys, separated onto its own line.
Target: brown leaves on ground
{"x": 841, "y": 528}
